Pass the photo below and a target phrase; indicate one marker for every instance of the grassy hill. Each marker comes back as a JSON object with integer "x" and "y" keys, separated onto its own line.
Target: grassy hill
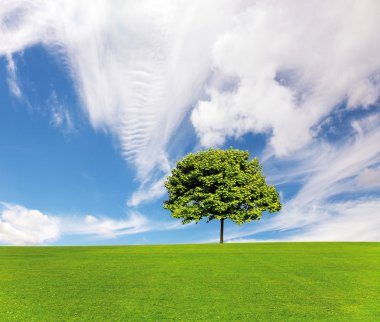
{"x": 230, "y": 282}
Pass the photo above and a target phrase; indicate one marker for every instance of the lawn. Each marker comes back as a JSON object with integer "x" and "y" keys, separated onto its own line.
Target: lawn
{"x": 230, "y": 282}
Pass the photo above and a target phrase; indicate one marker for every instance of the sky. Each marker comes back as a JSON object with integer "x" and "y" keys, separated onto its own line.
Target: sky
{"x": 98, "y": 100}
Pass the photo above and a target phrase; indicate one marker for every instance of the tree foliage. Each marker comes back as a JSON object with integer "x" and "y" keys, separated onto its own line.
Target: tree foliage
{"x": 219, "y": 184}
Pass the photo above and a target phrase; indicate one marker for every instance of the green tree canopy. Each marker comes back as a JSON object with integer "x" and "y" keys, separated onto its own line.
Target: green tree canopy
{"x": 219, "y": 184}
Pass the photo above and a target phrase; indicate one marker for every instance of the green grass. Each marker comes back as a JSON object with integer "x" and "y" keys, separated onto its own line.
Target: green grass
{"x": 231, "y": 282}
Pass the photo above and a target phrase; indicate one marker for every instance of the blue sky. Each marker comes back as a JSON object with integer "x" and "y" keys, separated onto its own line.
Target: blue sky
{"x": 98, "y": 102}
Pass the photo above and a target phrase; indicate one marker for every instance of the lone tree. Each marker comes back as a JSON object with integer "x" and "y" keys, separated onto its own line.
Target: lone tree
{"x": 219, "y": 184}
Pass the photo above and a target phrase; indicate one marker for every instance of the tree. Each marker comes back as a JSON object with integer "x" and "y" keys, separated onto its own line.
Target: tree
{"x": 219, "y": 184}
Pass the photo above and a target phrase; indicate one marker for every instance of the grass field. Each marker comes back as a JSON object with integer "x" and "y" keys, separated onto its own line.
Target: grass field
{"x": 230, "y": 282}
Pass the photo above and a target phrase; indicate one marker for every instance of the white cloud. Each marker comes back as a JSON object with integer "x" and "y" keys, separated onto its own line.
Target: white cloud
{"x": 336, "y": 167}
{"x": 348, "y": 221}
{"x": 138, "y": 66}
{"x": 105, "y": 227}
{"x": 369, "y": 177}
{"x": 60, "y": 116}
{"x": 22, "y": 226}
{"x": 328, "y": 200}
{"x": 12, "y": 77}
{"x": 143, "y": 194}
{"x": 357, "y": 220}
{"x": 294, "y": 61}
{"x": 277, "y": 67}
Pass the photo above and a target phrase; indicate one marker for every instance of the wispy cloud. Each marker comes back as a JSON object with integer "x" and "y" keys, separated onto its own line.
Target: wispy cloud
{"x": 357, "y": 220}
{"x": 274, "y": 67}
{"x": 101, "y": 227}
{"x": 370, "y": 177}
{"x": 12, "y": 77}
{"x": 138, "y": 66}
{"x": 60, "y": 116}
{"x": 143, "y": 194}
{"x": 331, "y": 194}
{"x": 105, "y": 227}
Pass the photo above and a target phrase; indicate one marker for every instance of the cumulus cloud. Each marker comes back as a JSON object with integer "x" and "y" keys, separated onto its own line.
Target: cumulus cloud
{"x": 295, "y": 61}
{"x": 22, "y": 226}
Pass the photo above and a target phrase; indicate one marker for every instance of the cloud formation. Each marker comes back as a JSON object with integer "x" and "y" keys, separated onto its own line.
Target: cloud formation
{"x": 105, "y": 227}
{"x": 22, "y": 226}
{"x": 12, "y": 77}
{"x": 333, "y": 204}
{"x": 370, "y": 177}
{"x": 60, "y": 116}
{"x": 138, "y": 67}
{"x": 276, "y": 67}
{"x": 357, "y": 220}
{"x": 294, "y": 62}
{"x": 153, "y": 191}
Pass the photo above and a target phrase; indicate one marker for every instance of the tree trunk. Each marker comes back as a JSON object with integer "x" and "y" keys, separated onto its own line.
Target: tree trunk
{"x": 221, "y": 230}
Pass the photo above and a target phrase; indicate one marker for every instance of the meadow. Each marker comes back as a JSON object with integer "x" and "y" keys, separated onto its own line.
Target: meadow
{"x": 230, "y": 282}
